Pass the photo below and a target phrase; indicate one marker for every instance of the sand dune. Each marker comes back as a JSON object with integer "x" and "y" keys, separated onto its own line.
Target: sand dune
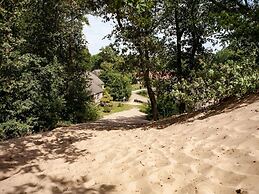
{"x": 214, "y": 155}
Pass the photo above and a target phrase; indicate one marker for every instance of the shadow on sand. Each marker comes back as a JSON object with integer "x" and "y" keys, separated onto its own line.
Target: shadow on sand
{"x": 60, "y": 186}
{"x": 20, "y": 156}
{"x": 50, "y": 145}
{"x": 120, "y": 123}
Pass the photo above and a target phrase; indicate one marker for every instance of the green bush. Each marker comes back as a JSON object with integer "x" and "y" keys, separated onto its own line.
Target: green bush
{"x": 106, "y": 99}
{"x": 118, "y": 85}
{"x": 13, "y": 128}
{"x": 107, "y": 109}
{"x": 211, "y": 83}
{"x": 167, "y": 106}
{"x": 146, "y": 108}
{"x": 92, "y": 112}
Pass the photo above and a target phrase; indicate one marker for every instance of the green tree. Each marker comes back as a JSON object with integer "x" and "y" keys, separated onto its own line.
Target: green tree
{"x": 108, "y": 55}
{"x": 19, "y": 88}
{"x": 95, "y": 62}
{"x": 187, "y": 28}
{"x": 238, "y": 23}
{"x": 117, "y": 84}
{"x": 55, "y": 34}
{"x": 43, "y": 60}
{"x": 136, "y": 29}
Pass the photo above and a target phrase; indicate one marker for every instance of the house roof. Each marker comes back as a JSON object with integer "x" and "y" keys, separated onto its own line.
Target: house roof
{"x": 95, "y": 89}
{"x": 95, "y": 79}
{"x": 97, "y": 72}
{"x": 95, "y": 84}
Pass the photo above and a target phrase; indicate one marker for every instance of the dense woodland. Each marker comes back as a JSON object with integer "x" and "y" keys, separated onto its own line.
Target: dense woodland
{"x": 44, "y": 57}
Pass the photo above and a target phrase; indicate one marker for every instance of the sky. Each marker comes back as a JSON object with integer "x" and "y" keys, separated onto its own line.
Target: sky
{"x": 95, "y": 32}
{"x": 97, "y": 29}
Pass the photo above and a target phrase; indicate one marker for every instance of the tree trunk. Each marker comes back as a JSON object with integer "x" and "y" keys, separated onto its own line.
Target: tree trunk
{"x": 182, "y": 107}
{"x": 151, "y": 95}
{"x": 145, "y": 61}
{"x": 257, "y": 57}
{"x": 195, "y": 42}
{"x": 179, "y": 34}
{"x": 195, "y": 36}
{"x": 178, "y": 44}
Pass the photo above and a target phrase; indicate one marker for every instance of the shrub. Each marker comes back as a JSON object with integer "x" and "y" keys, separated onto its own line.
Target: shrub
{"x": 209, "y": 84}
{"x": 146, "y": 108}
{"x": 92, "y": 112}
{"x": 167, "y": 106}
{"x": 13, "y": 128}
{"x": 118, "y": 85}
{"x": 106, "y": 97}
{"x": 107, "y": 109}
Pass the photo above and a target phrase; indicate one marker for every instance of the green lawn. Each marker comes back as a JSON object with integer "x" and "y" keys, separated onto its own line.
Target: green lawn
{"x": 136, "y": 86}
{"x": 143, "y": 93}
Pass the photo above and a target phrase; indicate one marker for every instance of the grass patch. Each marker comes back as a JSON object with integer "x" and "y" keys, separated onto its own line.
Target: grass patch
{"x": 143, "y": 93}
{"x": 143, "y": 107}
{"x": 136, "y": 87}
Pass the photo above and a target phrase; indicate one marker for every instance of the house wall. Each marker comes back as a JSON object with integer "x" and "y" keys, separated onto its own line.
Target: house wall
{"x": 97, "y": 97}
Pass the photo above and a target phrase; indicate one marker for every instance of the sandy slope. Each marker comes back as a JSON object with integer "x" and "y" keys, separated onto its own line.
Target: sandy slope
{"x": 219, "y": 154}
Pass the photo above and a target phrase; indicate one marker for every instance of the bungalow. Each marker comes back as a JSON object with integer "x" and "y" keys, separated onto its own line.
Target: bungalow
{"x": 96, "y": 87}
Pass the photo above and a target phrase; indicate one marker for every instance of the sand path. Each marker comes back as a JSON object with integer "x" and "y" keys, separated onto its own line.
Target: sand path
{"x": 132, "y": 116}
{"x": 214, "y": 155}
{"x": 134, "y": 96}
